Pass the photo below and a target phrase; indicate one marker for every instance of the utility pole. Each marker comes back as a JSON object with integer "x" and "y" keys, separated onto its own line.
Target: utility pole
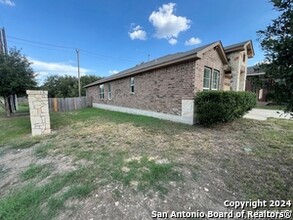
{"x": 78, "y": 70}
{"x": 3, "y": 42}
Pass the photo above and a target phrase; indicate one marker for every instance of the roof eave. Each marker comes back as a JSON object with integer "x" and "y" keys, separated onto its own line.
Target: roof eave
{"x": 248, "y": 45}
{"x": 255, "y": 74}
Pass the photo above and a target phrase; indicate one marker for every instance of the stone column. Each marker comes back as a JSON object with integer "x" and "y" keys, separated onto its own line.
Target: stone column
{"x": 39, "y": 112}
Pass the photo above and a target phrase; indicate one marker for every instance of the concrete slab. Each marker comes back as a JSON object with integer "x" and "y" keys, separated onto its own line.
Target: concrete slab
{"x": 264, "y": 114}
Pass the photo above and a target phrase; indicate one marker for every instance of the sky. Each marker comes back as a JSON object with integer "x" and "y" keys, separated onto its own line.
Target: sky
{"x": 114, "y": 35}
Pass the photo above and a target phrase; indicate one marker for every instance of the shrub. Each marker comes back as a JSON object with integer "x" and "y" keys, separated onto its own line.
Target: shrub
{"x": 222, "y": 106}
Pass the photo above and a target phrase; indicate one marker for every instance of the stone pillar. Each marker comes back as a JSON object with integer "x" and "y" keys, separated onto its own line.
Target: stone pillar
{"x": 39, "y": 112}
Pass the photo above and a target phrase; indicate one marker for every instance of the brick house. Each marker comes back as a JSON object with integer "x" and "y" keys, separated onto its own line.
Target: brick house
{"x": 165, "y": 87}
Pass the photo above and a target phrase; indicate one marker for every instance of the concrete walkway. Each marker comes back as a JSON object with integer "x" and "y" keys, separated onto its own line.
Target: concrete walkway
{"x": 264, "y": 114}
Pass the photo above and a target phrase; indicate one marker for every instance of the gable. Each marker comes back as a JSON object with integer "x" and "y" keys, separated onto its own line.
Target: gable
{"x": 245, "y": 45}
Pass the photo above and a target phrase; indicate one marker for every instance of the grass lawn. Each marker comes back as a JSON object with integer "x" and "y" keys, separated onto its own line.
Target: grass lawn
{"x": 109, "y": 165}
{"x": 270, "y": 107}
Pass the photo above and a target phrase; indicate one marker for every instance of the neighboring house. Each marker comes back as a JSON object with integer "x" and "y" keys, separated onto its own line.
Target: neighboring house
{"x": 165, "y": 87}
{"x": 253, "y": 74}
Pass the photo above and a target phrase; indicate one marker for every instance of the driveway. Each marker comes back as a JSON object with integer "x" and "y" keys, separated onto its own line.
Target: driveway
{"x": 264, "y": 114}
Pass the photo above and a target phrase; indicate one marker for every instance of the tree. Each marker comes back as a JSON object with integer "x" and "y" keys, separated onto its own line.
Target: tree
{"x": 16, "y": 76}
{"x": 277, "y": 42}
{"x": 67, "y": 86}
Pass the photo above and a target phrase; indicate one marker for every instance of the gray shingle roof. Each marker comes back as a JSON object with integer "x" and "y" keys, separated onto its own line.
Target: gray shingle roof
{"x": 238, "y": 45}
{"x": 165, "y": 60}
{"x": 254, "y": 71}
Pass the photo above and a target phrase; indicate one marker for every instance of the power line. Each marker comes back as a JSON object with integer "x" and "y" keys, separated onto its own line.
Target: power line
{"x": 48, "y": 70}
{"x": 36, "y": 42}
{"x": 87, "y": 53}
{"x": 38, "y": 46}
{"x": 67, "y": 49}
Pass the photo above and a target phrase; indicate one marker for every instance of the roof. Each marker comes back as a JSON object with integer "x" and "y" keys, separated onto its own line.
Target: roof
{"x": 193, "y": 54}
{"x": 241, "y": 46}
{"x": 254, "y": 71}
{"x": 164, "y": 61}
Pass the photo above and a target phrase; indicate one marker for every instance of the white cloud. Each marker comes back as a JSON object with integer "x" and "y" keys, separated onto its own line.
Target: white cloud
{"x": 7, "y": 2}
{"x": 111, "y": 72}
{"x": 137, "y": 33}
{"x": 172, "y": 41}
{"x": 138, "y": 27}
{"x": 192, "y": 41}
{"x": 45, "y": 69}
{"x": 168, "y": 25}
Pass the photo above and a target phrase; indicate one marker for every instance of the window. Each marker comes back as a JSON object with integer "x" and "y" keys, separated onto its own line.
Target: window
{"x": 207, "y": 78}
{"x": 211, "y": 79}
{"x": 215, "y": 80}
{"x": 109, "y": 92}
{"x": 132, "y": 85}
{"x": 102, "y": 91}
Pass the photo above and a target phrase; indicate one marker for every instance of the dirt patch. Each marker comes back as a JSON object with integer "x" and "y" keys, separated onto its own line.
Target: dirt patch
{"x": 12, "y": 163}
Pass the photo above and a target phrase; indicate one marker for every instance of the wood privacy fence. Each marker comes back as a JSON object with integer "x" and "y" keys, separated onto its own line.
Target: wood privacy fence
{"x": 68, "y": 104}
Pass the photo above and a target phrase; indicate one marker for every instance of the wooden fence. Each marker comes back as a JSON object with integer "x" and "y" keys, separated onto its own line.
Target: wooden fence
{"x": 68, "y": 104}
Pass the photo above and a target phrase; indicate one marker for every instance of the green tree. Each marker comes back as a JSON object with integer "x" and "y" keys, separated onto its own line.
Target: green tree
{"x": 277, "y": 42}
{"x": 67, "y": 86}
{"x": 85, "y": 80}
{"x": 16, "y": 76}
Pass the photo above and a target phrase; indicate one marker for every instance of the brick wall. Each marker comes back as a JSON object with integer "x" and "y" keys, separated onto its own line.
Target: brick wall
{"x": 212, "y": 60}
{"x": 160, "y": 90}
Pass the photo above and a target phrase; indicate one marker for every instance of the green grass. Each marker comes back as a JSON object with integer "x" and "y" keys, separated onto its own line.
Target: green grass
{"x": 42, "y": 202}
{"x": 270, "y": 107}
{"x": 148, "y": 174}
{"x": 3, "y": 171}
{"x": 43, "y": 149}
{"x": 23, "y": 107}
{"x": 34, "y": 171}
{"x": 15, "y": 130}
{"x": 61, "y": 119}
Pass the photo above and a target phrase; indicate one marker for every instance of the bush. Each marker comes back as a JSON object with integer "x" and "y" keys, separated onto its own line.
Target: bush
{"x": 220, "y": 106}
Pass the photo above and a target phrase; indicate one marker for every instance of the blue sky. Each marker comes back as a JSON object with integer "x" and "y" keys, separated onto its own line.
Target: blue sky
{"x": 113, "y": 35}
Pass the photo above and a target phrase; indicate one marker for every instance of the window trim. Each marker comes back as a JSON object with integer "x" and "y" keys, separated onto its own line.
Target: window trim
{"x": 109, "y": 91}
{"x": 212, "y": 72}
{"x": 218, "y": 79}
{"x": 131, "y": 82}
{"x": 102, "y": 91}
{"x": 207, "y": 88}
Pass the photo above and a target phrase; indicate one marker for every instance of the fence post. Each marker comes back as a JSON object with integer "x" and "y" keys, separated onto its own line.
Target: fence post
{"x": 55, "y": 104}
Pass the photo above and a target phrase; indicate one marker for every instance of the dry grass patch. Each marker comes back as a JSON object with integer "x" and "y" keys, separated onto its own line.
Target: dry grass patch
{"x": 122, "y": 166}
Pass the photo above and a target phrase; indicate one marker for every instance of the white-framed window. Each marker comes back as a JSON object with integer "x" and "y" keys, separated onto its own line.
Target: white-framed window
{"x": 211, "y": 78}
{"x": 207, "y": 78}
{"x": 215, "y": 80}
{"x": 132, "y": 85}
{"x": 102, "y": 96}
{"x": 109, "y": 92}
